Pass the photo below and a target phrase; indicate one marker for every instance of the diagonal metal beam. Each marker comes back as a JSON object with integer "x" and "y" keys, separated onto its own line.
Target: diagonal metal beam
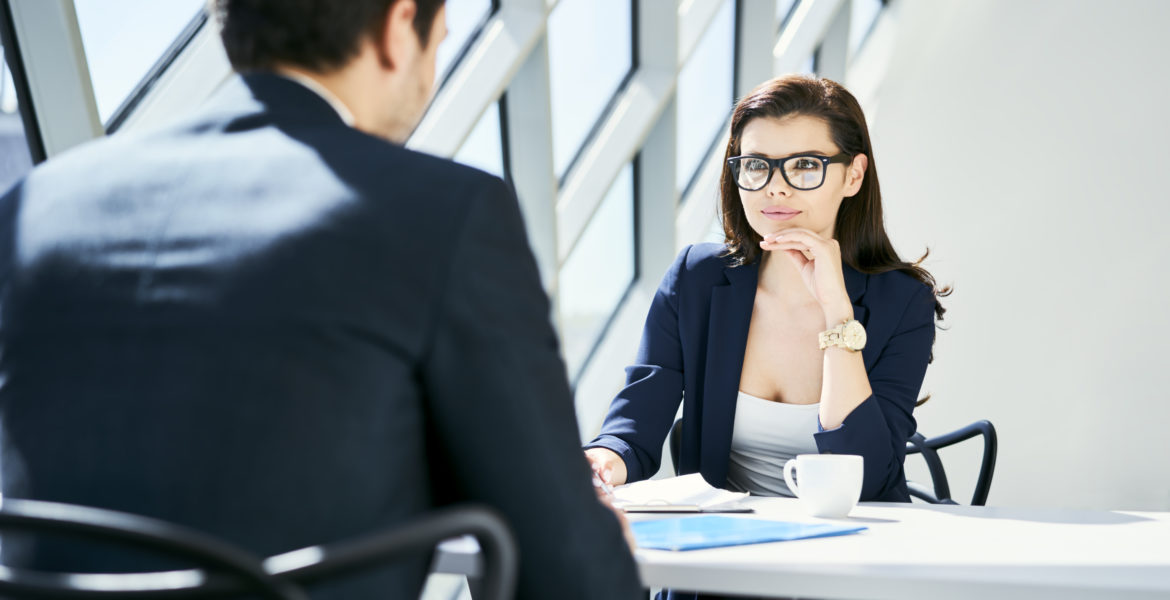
{"x": 53, "y": 59}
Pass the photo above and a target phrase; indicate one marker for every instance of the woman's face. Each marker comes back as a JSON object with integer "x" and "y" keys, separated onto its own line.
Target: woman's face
{"x": 780, "y": 206}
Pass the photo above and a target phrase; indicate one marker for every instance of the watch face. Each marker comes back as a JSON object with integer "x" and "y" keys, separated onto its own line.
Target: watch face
{"x": 854, "y": 335}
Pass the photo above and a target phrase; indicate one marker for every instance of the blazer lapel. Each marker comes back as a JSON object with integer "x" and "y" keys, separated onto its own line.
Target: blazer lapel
{"x": 731, "y": 314}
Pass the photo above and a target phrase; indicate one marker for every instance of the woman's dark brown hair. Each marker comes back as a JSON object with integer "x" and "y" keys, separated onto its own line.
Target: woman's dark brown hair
{"x": 859, "y": 229}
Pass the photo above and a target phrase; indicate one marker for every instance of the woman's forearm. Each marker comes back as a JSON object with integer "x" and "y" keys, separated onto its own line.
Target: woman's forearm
{"x": 844, "y": 382}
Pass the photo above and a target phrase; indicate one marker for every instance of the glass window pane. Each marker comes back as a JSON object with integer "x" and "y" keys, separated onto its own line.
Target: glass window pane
{"x": 861, "y": 20}
{"x": 464, "y": 18}
{"x": 590, "y": 53}
{"x": 123, "y": 39}
{"x": 15, "y": 161}
{"x": 484, "y": 149}
{"x": 598, "y": 272}
{"x": 706, "y": 93}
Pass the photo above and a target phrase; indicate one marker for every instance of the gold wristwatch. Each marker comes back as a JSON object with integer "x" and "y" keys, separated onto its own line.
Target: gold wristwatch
{"x": 849, "y": 335}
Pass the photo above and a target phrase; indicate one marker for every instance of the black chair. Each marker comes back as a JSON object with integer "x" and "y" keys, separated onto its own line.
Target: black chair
{"x": 225, "y": 570}
{"x": 928, "y": 447}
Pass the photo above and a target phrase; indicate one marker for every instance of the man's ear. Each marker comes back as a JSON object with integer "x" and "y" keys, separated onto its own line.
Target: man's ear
{"x": 855, "y": 174}
{"x": 397, "y": 40}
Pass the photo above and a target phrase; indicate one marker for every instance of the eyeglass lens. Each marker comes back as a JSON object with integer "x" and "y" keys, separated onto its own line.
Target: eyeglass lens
{"x": 803, "y": 173}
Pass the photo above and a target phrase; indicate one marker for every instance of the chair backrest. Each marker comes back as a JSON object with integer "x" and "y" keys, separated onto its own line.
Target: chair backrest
{"x": 222, "y": 567}
{"x": 225, "y": 570}
{"x": 928, "y": 448}
{"x": 421, "y": 534}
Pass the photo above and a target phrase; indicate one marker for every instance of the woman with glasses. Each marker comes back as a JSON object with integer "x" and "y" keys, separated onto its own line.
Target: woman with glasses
{"x": 803, "y": 333}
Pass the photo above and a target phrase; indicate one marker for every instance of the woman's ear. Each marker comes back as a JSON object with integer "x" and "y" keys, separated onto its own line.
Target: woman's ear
{"x": 855, "y": 174}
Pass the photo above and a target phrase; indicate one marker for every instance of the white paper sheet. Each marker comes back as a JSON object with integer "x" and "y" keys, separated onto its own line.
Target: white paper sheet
{"x": 686, "y": 490}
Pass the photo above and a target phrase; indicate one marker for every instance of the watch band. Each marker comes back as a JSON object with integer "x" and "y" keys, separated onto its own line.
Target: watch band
{"x": 836, "y": 336}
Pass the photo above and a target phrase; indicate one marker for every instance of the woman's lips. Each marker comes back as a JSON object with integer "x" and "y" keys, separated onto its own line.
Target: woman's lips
{"x": 780, "y": 213}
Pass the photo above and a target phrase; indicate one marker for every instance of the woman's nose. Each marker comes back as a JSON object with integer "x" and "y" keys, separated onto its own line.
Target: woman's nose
{"x": 778, "y": 185}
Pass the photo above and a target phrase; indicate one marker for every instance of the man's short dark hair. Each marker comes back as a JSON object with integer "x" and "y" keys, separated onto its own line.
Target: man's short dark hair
{"x": 318, "y": 35}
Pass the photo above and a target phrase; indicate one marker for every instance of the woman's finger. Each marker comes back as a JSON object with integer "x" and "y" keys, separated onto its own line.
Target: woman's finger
{"x": 798, "y": 258}
{"x": 807, "y": 250}
{"x": 820, "y": 246}
{"x": 804, "y": 237}
{"x": 794, "y": 231}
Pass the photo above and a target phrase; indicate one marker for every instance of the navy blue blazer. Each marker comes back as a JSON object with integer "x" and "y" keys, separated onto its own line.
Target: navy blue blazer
{"x": 692, "y": 351}
{"x": 270, "y": 326}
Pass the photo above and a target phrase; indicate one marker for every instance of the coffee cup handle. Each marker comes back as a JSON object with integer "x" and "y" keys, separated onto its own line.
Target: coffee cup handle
{"x": 788, "y": 467}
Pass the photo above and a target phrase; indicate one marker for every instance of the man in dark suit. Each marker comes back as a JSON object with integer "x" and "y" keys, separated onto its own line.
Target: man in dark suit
{"x": 273, "y": 323}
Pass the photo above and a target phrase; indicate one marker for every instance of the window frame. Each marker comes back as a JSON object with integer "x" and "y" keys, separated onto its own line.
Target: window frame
{"x": 607, "y": 110}
{"x": 465, "y": 49}
{"x": 602, "y": 331}
{"x": 165, "y": 60}
{"x": 15, "y": 59}
{"x": 500, "y": 105}
{"x": 695, "y": 175}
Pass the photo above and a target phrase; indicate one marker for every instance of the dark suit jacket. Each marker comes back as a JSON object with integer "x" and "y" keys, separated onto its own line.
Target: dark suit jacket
{"x": 278, "y": 329}
{"x": 692, "y": 350}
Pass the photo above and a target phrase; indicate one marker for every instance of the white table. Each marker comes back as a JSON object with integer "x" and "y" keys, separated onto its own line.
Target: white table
{"x": 929, "y": 551}
{"x": 921, "y": 551}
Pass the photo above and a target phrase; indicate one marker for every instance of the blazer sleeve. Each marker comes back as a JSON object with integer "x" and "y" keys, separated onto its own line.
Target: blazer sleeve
{"x": 501, "y": 416}
{"x": 879, "y": 427}
{"x": 642, "y": 413}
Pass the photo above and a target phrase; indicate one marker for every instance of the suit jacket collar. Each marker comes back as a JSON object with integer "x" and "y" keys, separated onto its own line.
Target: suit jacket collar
{"x": 727, "y": 331}
{"x": 276, "y": 96}
{"x": 316, "y": 87}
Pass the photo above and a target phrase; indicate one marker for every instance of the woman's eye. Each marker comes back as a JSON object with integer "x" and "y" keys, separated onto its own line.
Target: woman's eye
{"x": 805, "y": 164}
{"x": 756, "y": 166}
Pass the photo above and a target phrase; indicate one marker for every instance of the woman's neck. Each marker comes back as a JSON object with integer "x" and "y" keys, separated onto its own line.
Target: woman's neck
{"x": 779, "y": 278}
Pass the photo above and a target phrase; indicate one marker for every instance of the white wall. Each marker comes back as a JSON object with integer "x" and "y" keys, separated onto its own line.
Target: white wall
{"x": 1026, "y": 142}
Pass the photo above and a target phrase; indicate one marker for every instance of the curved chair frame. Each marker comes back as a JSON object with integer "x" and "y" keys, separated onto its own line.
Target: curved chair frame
{"x": 928, "y": 448}
{"x": 497, "y": 546}
{"x": 224, "y": 569}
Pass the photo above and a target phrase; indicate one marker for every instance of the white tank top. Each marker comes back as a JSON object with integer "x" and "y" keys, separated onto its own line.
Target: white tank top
{"x": 766, "y": 434}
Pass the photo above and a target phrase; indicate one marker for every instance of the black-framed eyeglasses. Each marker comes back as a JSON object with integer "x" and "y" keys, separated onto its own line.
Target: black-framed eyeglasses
{"x": 802, "y": 172}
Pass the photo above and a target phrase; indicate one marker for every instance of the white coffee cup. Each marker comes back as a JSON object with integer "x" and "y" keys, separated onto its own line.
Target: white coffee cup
{"x": 830, "y": 484}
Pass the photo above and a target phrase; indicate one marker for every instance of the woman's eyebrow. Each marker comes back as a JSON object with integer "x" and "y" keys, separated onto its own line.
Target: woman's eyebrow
{"x": 765, "y": 155}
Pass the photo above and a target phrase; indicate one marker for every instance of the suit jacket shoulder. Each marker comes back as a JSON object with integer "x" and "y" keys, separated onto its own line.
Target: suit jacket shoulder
{"x": 904, "y": 302}
{"x": 700, "y": 265}
{"x": 895, "y": 283}
{"x": 705, "y": 259}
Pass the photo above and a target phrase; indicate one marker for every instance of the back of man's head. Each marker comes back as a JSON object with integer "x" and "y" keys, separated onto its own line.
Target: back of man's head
{"x": 316, "y": 35}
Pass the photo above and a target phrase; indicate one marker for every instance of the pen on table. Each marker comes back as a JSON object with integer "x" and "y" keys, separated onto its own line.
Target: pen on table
{"x": 599, "y": 482}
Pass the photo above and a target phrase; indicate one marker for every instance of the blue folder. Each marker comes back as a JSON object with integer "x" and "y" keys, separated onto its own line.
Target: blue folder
{"x": 710, "y": 531}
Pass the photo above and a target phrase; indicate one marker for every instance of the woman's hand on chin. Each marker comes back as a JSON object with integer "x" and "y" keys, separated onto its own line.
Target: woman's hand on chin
{"x": 819, "y": 261}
